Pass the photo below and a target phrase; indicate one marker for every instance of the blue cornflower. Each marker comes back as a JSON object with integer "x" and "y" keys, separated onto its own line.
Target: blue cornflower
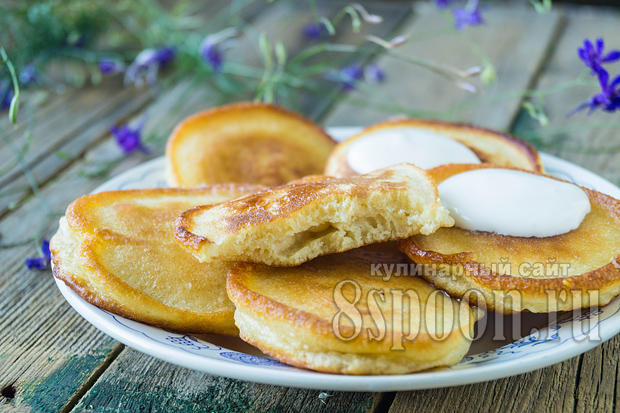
{"x": 213, "y": 47}
{"x": 443, "y": 4}
{"x": 147, "y": 64}
{"x": 6, "y": 93}
{"x": 374, "y": 73}
{"x": 593, "y": 56}
{"x": 315, "y": 31}
{"x": 350, "y": 75}
{"x": 165, "y": 55}
{"x": 40, "y": 263}
{"x": 128, "y": 138}
{"x": 108, "y": 67}
{"x": 212, "y": 54}
{"x": 468, "y": 16}
{"x": 609, "y": 98}
{"x": 28, "y": 74}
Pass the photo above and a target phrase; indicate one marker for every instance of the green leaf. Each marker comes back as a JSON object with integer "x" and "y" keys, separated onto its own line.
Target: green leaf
{"x": 64, "y": 155}
{"x": 14, "y": 108}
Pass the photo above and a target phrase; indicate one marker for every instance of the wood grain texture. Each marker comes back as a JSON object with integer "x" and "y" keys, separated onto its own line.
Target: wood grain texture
{"x": 139, "y": 383}
{"x": 48, "y": 166}
{"x": 549, "y": 389}
{"x": 49, "y": 134}
{"x": 582, "y": 384}
{"x": 515, "y": 38}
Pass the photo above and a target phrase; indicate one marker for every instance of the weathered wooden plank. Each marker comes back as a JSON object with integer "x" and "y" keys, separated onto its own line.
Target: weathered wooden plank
{"x": 44, "y": 105}
{"x": 17, "y": 188}
{"x": 585, "y": 383}
{"x": 598, "y": 379}
{"x": 590, "y": 141}
{"x": 139, "y": 383}
{"x": 72, "y": 133}
{"x": 47, "y": 136}
{"x": 514, "y": 37}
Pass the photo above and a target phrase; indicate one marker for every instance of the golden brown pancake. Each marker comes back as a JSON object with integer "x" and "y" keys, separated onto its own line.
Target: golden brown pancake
{"x": 246, "y": 142}
{"x": 117, "y": 251}
{"x": 291, "y": 224}
{"x": 572, "y": 270}
{"x": 332, "y": 314}
{"x": 490, "y": 146}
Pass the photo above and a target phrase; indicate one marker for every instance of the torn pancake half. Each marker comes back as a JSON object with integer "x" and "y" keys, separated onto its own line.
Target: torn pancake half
{"x": 291, "y": 224}
{"x": 117, "y": 251}
{"x": 576, "y": 269}
{"x": 334, "y": 315}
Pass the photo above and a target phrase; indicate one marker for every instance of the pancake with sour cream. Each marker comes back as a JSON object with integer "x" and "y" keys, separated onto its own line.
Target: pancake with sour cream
{"x": 572, "y": 262}
{"x": 428, "y": 144}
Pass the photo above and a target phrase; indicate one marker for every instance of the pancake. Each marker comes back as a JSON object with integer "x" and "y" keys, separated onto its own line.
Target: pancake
{"x": 558, "y": 273}
{"x": 489, "y": 146}
{"x": 309, "y": 316}
{"x": 291, "y": 224}
{"x": 117, "y": 251}
{"x": 246, "y": 142}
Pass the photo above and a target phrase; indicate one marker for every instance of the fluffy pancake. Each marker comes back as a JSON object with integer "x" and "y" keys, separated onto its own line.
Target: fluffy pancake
{"x": 558, "y": 273}
{"x": 117, "y": 250}
{"x": 246, "y": 142}
{"x": 309, "y": 316}
{"x": 489, "y": 146}
{"x": 291, "y": 224}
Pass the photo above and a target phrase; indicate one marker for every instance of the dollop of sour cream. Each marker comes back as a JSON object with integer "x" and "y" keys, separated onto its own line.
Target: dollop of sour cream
{"x": 513, "y": 203}
{"x": 423, "y": 148}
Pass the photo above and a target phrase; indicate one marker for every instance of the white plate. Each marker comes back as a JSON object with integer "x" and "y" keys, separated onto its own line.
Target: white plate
{"x": 544, "y": 342}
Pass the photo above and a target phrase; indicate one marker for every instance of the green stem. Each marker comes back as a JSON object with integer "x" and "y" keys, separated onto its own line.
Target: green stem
{"x": 321, "y": 48}
{"x": 15, "y": 100}
{"x": 27, "y": 172}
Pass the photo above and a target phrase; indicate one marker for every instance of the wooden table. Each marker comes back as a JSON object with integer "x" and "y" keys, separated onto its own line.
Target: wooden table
{"x": 53, "y": 360}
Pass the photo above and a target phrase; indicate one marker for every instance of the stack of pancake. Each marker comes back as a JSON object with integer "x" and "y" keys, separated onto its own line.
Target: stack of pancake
{"x": 257, "y": 244}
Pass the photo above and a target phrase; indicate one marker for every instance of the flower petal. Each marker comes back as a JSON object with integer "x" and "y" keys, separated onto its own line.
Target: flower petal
{"x": 600, "y": 45}
{"x": 611, "y": 56}
{"x": 603, "y": 78}
{"x": 615, "y": 82}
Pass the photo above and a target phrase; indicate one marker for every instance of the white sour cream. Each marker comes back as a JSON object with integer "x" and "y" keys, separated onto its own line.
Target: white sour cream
{"x": 513, "y": 203}
{"x": 423, "y": 148}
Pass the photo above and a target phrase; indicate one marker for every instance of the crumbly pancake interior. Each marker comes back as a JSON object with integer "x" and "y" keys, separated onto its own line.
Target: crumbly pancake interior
{"x": 290, "y": 224}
